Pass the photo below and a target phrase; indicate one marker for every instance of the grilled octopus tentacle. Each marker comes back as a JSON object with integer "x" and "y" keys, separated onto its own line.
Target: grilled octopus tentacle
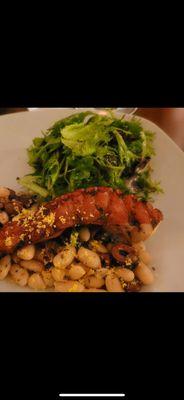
{"x": 120, "y": 214}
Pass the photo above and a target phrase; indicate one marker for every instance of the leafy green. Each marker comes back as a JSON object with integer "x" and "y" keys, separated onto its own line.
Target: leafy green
{"x": 126, "y": 155}
{"x": 145, "y": 186}
{"x": 84, "y": 140}
{"x": 74, "y": 238}
{"x": 87, "y": 149}
{"x": 28, "y": 182}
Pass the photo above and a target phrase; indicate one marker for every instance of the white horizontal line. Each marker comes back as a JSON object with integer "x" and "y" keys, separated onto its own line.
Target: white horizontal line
{"x": 92, "y": 394}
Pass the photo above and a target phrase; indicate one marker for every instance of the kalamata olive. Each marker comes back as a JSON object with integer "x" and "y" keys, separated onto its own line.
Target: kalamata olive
{"x": 121, "y": 250}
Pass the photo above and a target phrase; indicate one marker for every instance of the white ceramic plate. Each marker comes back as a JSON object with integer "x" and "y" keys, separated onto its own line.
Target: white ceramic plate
{"x": 167, "y": 245}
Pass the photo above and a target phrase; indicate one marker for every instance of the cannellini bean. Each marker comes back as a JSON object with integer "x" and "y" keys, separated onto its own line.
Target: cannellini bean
{"x": 99, "y": 247}
{"x": 126, "y": 274}
{"x": 27, "y": 252}
{"x": 84, "y": 234}
{"x": 36, "y": 282}
{"x": 144, "y": 233}
{"x": 69, "y": 286}
{"x": 94, "y": 282}
{"x": 4, "y": 192}
{"x": 76, "y": 272}
{"x": 145, "y": 256}
{"x": 5, "y": 265}
{"x": 19, "y": 275}
{"x": 136, "y": 236}
{"x": 32, "y": 265}
{"x": 4, "y": 218}
{"x": 113, "y": 284}
{"x": 48, "y": 278}
{"x": 90, "y": 272}
{"x": 89, "y": 258}
{"x": 144, "y": 274}
{"x": 139, "y": 246}
{"x": 146, "y": 230}
{"x": 58, "y": 274}
{"x": 102, "y": 272}
{"x": 65, "y": 257}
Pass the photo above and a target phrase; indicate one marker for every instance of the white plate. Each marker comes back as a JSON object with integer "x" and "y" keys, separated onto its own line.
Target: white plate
{"x": 167, "y": 245}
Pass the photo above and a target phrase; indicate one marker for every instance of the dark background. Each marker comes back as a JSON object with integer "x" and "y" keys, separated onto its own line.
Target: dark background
{"x": 171, "y": 120}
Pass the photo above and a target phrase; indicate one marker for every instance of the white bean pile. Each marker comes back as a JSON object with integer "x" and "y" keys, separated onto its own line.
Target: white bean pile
{"x": 69, "y": 268}
{"x": 72, "y": 270}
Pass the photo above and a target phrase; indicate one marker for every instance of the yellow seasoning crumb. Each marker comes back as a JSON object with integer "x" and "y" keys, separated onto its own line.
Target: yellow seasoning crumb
{"x": 49, "y": 219}
{"x": 8, "y": 241}
{"x": 73, "y": 288}
{"x": 41, "y": 211}
{"x": 21, "y": 215}
{"x": 128, "y": 261}
{"x": 62, "y": 219}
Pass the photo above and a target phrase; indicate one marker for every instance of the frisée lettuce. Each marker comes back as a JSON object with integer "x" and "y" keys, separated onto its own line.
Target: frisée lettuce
{"x": 88, "y": 149}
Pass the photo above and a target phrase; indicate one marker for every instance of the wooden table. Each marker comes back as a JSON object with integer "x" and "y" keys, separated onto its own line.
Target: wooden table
{"x": 171, "y": 120}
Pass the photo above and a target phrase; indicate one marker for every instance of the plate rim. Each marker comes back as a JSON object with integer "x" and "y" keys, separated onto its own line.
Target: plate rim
{"x": 39, "y": 110}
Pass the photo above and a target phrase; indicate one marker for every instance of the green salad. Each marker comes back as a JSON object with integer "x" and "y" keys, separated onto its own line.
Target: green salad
{"x": 87, "y": 149}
